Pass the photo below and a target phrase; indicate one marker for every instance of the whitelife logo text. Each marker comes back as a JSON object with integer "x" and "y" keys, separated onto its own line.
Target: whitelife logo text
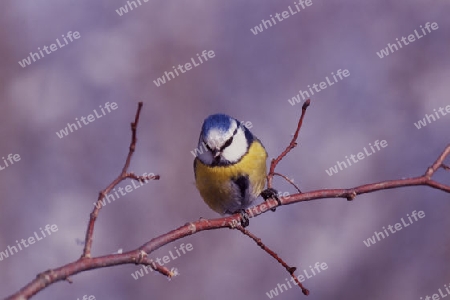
{"x": 53, "y": 47}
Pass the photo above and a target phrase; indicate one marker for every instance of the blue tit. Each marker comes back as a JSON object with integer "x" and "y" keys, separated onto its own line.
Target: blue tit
{"x": 230, "y": 168}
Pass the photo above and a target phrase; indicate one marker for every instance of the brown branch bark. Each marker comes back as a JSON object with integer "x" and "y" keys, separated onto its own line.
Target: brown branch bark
{"x": 288, "y": 180}
{"x": 52, "y": 276}
{"x": 292, "y": 145}
{"x": 139, "y": 255}
{"x": 291, "y": 270}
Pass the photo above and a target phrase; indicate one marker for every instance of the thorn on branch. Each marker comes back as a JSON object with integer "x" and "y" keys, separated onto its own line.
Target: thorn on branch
{"x": 233, "y": 224}
{"x": 45, "y": 276}
{"x": 192, "y": 227}
{"x": 141, "y": 257}
{"x": 173, "y": 272}
{"x": 351, "y": 195}
{"x": 69, "y": 280}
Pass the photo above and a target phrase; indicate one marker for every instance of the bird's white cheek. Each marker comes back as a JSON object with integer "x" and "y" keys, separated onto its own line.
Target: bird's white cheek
{"x": 234, "y": 152}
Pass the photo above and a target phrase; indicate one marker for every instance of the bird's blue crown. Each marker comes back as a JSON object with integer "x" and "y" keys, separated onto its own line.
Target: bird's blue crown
{"x": 218, "y": 121}
{"x": 223, "y": 123}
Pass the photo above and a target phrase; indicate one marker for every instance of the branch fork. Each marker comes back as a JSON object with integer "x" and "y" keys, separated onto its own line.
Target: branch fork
{"x": 140, "y": 255}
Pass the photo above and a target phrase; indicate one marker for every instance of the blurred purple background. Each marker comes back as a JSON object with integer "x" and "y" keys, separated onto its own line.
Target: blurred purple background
{"x": 251, "y": 78}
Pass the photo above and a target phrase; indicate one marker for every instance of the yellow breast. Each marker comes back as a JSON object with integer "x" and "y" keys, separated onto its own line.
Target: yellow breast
{"x": 217, "y": 184}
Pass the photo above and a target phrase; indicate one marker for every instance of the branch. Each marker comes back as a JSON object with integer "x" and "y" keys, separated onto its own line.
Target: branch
{"x": 291, "y": 146}
{"x": 291, "y": 270}
{"x": 140, "y": 255}
{"x": 122, "y": 176}
{"x": 288, "y": 180}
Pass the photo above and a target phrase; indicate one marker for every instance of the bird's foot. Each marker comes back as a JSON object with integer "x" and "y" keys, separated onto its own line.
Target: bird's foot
{"x": 270, "y": 193}
{"x": 245, "y": 220}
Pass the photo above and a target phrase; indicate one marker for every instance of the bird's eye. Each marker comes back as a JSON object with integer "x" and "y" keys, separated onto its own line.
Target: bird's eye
{"x": 227, "y": 143}
{"x": 207, "y": 147}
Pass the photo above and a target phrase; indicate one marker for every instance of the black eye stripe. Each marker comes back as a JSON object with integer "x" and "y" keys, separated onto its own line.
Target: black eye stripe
{"x": 207, "y": 146}
{"x": 229, "y": 141}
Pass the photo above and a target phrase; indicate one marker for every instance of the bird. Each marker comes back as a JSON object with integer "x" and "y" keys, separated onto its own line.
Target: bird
{"x": 230, "y": 165}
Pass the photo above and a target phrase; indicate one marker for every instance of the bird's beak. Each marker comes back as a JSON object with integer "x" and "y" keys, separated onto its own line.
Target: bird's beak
{"x": 216, "y": 155}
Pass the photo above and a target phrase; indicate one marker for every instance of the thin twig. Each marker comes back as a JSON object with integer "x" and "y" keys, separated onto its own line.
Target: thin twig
{"x": 49, "y": 277}
{"x": 144, "y": 260}
{"x": 123, "y": 175}
{"x": 288, "y": 180}
{"x": 141, "y": 178}
{"x": 258, "y": 241}
{"x": 139, "y": 255}
{"x": 291, "y": 145}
